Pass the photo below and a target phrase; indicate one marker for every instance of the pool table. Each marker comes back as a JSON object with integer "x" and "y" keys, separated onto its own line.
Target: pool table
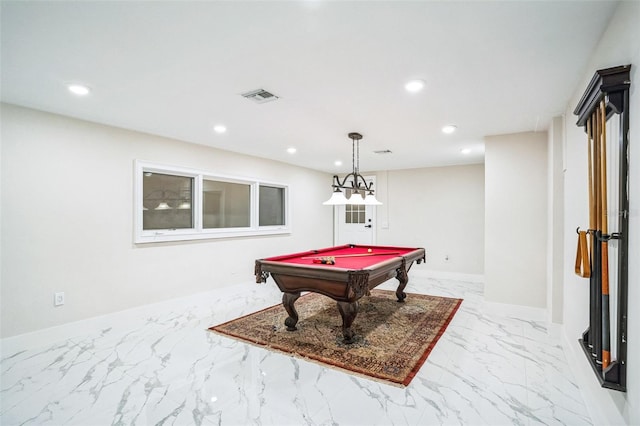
{"x": 344, "y": 273}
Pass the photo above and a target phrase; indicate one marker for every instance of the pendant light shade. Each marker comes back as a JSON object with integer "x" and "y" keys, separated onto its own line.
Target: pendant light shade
{"x": 337, "y": 199}
{"x": 370, "y": 200}
{"x": 356, "y": 199}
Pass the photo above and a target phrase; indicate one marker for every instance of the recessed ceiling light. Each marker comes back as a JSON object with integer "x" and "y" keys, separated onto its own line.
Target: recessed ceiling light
{"x": 78, "y": 89}
{"x": 448, "y": 129}
{"x": 291, "y": 150}
{"x": 465, "y": 151}
{"x": 337, "y": 163}
{"x": 414, "y": 86}
{"x": 219, "y": 128}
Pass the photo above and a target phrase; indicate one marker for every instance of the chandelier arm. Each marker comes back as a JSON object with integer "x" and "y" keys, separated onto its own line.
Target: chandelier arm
{"x": 358, "y": 183}
{"x": 366, "y": 186}
{"x": 342, "y": 184}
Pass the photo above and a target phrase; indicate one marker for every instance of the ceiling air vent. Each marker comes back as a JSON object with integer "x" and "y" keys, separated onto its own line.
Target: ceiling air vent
{"x": 383, "y": 151}
{"x": 260, "y": 96}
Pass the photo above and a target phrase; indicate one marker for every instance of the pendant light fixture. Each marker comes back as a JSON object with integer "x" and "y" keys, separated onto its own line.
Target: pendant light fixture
{"x": 361, "y": 191}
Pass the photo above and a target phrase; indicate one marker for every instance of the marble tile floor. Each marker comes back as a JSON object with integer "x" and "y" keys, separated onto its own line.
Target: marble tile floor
{"x": 158, "y": 365}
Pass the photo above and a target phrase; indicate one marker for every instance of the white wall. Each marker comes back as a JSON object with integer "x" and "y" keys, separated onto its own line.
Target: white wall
{"x": 619, "y": 45}
{"x": 516, "y": 219}
{"x": 67, "y": 218}
{"x": 555, "y": 220}
{"x": 440, "y": 209}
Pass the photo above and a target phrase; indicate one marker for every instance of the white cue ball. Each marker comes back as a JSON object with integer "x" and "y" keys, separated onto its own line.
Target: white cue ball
{"x": 368, "y": 250}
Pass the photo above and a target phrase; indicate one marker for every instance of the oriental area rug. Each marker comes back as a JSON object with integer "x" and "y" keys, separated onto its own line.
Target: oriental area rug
{"x": 392, "y": 339}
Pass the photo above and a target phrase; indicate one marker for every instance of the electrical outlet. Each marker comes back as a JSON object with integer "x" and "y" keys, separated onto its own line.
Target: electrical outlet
{"x": 58, "y": 298}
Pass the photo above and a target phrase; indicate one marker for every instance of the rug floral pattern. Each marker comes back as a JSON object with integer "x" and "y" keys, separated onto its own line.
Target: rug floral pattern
{"x": 392, "y": 339}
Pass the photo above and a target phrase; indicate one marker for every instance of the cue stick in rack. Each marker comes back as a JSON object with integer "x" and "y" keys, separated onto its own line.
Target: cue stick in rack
{"x": 590, "y": 231}
{"x": 352, "y": 255}
{"x": 597, "y": 171}
{"x": 592, "y": 201}
{"x": 596, "y": 233}
{"x": 606, "y": 341}
{"x": 592, "y": 237}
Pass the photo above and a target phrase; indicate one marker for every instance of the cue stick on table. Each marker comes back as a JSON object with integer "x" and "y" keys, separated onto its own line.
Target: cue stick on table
{"x": 352, "y": 255}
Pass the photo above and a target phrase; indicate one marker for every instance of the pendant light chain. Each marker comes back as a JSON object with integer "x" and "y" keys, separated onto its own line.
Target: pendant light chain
{"x": 358, "y": 157}
{"x": 353, "y": 155}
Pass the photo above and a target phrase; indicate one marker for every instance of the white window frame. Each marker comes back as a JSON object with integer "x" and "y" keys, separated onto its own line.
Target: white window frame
{"x": 197, "y": 232}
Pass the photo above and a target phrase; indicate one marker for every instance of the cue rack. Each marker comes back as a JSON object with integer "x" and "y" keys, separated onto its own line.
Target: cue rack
{"x": 603, "y": 111}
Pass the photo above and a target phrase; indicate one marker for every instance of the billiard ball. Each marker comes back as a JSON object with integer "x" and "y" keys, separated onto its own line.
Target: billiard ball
{"x": 368, "y": 250}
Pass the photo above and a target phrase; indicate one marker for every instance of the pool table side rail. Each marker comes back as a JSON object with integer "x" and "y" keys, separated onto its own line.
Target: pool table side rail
{"x": 276, "y": 265}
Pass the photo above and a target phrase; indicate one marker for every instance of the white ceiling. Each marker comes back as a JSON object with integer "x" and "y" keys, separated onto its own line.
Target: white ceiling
{"x": 176, "y": 69}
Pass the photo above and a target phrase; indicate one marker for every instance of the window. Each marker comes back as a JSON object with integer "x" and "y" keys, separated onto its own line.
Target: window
{"x": 271, "y": 205}
{"x": 174, "y": 204}
{"x": 166, "y": 201}
{"x": 226, "y": 204}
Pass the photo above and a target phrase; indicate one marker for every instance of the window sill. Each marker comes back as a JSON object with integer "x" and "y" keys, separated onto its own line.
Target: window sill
{"x": 167, "y": 235}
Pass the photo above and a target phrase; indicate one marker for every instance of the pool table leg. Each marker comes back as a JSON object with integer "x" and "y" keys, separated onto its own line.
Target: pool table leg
{"x": 288, "y": 299}
{"x": 403, "y": 277}
{"x": 348, "y": 311}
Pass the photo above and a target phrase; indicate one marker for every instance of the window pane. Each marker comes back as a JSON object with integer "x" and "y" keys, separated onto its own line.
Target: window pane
{"x": 166, "y": 201}
{"x": 225, "y": 204}
{"x": 355, "y": 213}
{"x": 271, "y": 206}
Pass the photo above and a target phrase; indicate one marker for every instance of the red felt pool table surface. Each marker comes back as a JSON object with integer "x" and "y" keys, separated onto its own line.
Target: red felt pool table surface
{"x": 347, "y": 256}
